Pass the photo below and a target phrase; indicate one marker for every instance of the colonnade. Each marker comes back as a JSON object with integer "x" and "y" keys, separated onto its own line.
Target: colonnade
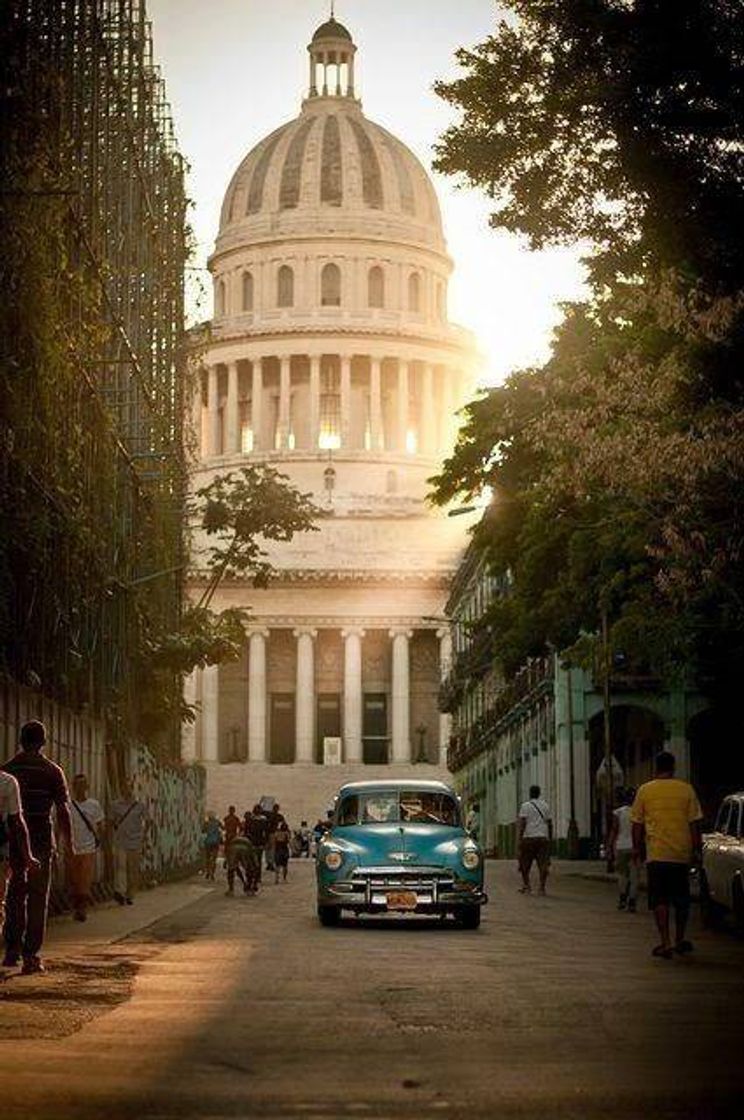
{"x": 283, "y": 402}
{"x": 207, "y": 693}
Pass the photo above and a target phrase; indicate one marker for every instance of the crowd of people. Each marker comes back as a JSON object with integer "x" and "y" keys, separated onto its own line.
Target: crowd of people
{"x": 32, "y": 788}
{"x": 259, "y": 840}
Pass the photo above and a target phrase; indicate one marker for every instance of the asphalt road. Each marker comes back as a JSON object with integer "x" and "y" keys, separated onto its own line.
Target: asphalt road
{"x": 242, "y": 1007}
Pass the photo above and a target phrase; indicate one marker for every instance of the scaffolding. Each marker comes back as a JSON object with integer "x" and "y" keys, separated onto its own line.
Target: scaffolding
{"x": 93, "y": 215}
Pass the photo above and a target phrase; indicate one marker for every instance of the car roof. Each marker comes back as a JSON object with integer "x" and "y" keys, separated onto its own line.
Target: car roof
{"x": 738, "y": 795}
{"x": 424, "y": 785}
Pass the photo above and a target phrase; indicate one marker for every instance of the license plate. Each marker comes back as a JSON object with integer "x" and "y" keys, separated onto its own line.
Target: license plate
{"x": 402, "y": 900}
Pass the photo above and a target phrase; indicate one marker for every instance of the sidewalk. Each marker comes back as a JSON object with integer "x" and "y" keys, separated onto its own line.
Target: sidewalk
{"x": 108, "y": 922}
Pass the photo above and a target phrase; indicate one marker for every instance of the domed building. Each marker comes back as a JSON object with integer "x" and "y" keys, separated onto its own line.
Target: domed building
{"x": 331, "y": 357}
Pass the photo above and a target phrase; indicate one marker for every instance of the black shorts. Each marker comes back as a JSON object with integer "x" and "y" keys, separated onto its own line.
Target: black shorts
{"x": 668, "y": 884}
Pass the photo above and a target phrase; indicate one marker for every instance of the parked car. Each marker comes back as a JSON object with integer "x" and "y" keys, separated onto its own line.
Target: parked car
{"x": 722, "y": 874}
{"x": 400, "y": 847}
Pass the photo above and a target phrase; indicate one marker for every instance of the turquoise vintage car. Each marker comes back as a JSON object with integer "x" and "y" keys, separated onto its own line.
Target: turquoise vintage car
{"x": 399, "y": 846}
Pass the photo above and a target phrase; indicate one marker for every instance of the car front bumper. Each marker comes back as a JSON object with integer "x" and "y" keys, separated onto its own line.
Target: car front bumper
{"x": 369, "y": 890}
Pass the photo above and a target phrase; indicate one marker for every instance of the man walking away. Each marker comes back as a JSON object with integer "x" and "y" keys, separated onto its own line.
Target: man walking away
{"x": 256, "y": 828}
{"x": 281, "y": 838}
{"x": 620, "y": 851}
{"x": 535, "y": 835}
{"x": 13, "y": 835}
{"x": 87, "y": 819}
{"x": 127, "y": 823}
{"x": 666, "y": 820}
{"x": 211, "y": 839}
{"x": 43, "y": 787}
{"x": 231, "y": 825}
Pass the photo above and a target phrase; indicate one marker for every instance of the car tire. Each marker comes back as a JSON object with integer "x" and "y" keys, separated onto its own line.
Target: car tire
{"x": 329, "y": 916}
{"x": 469, "y": 917}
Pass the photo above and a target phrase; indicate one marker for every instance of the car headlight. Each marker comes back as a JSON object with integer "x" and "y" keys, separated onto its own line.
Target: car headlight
{"x": 470, "y": 859}
{"x": 333, "y": 860}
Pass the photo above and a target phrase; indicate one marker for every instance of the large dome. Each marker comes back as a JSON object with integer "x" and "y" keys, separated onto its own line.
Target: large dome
{"x": 331, "y": 171}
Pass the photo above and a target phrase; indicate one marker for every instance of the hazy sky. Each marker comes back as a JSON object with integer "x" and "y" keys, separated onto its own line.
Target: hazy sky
{"x": 235, "y": 69}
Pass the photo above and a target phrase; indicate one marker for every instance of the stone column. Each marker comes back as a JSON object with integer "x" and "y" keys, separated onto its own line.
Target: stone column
{"x": 188, "y": 730}
{"x": 353, "y": 694}
{"x": 428, "y": 433}
{"x": 257, "y": 695}
{"x": 403, "y": 417}
{"x": 284, "y": 401}
{"x": 449, "y": 403}
{"x": 210, "y": 713}
{"x": 233, "y": 425}
{"x": 345, "y": 401}
{"x": 375, "y": 404}
{"x": 305, "y": 696}
{"x": 314, "y": 400}
{"x": 213, "y": 410}
{"x": 445, "y": 664}
{"x": 257, "y": 404}
{"x": 401, "y": 697}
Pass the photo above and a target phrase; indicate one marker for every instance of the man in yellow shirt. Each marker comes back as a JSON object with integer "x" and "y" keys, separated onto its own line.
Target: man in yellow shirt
{"x": 666, "y": 820}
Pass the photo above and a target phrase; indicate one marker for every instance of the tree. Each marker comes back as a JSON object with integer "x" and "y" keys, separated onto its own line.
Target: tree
{"x": 237, "y": 512}
{"x": 617, "y": 123}
{"x": 617, "y": 468}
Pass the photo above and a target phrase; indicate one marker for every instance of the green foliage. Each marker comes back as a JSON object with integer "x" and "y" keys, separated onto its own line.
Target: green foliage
{"x": 618, "y": 468}
{"x": 243, "y": 509}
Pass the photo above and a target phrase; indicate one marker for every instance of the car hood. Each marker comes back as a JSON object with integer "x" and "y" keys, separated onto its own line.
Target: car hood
{"x": 411, "y": 843}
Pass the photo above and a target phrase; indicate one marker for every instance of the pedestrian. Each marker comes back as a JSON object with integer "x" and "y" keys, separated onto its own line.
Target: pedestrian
{"x": 211, "y": 840}
{"x": 272, "y": 822}
{"x": 256, "y": 828}
{"x": 666, "y": 824}
{"x": 231, "y": 825}
{"x": 127, "y": 834}
{"x": 281, "y": 838}
{"x": 241, "y": 859}
{"x": 305, "y": 836}
{"x": 620, "y": 852}
{"x": 14, "y": 842}
{"x": 472, "y": 824}
{"x": 535, "y": 835}
{"x": 42, "y": 787}
{"x": 87, "y": 823}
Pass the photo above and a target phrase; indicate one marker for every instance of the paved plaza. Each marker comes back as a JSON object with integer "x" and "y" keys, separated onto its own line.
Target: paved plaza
{"x": 241, "y": 1007}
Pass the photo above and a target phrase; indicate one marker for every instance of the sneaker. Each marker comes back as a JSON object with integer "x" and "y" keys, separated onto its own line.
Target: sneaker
{"x": 80, "y": 916}
{"x": 622, "y": 904}
{"x": 10, "y": 960}
{"x": 119, "y": 898}
{"x": 32, "y": 965}
{"x": 129, "y": 901}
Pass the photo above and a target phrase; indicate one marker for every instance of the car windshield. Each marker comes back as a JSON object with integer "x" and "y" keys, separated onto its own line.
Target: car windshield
{"x": 399, "y": 807}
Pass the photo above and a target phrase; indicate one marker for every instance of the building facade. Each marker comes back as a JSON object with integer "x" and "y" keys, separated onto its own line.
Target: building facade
{"x": 331, "y": 357}
{"x": 545, "y": 726}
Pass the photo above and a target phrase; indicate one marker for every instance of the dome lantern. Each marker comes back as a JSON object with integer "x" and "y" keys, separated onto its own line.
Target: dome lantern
{"x": 331, "y": 53}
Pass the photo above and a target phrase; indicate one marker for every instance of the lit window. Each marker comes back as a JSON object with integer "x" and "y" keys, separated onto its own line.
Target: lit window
{"x": 329, "y": 438}
{"x": 330, "y": 286}
{"x": 285, "y": 287}
{"x": 376, "y": 287}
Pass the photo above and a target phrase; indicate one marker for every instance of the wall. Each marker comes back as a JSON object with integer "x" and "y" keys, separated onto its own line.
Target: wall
{"x": 174, "y": 799}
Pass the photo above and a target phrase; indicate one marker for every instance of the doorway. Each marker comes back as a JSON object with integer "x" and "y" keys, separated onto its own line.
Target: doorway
{"x": 375, "y": 729}
{"x": 282, "y": 728}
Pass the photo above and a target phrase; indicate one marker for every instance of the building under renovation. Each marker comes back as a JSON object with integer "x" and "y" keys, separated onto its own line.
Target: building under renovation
{"x": 92, "y": 211}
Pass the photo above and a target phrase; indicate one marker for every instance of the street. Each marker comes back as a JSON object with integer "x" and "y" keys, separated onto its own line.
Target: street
{"x": 237, "y": 1007}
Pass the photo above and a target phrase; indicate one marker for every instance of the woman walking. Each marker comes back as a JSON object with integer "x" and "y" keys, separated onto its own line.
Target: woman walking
{"x": 281, "y": 849}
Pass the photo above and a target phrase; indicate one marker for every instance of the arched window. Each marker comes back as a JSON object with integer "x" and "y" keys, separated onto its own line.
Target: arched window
{"x": 330, "y": 286}
{"x": 247, "y": 291}
{"x": 285, "y": 287}
{"x": 376, "y": 287}
{"x": 220, "y": 298}
{"x": 414, "y": 292}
